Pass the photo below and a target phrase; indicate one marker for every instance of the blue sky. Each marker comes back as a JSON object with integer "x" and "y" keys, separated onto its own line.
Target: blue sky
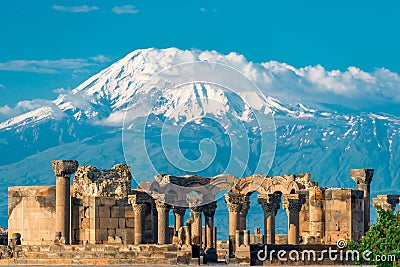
{"x": 45, "y": 45}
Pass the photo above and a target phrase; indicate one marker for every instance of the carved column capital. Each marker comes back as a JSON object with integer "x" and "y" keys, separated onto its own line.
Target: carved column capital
{"x": 293, "y": 203}
{"x": 179, "y": 210}
{"x": 233, "y": 202}
{"x": 209, "y": 209}
{"x": 362, "y": 176}
{"x": 195, "y": 202}
{"x": 138, "y": 198}
{"x": 269, "y": 202}
{"x": 139, "y": 209}
{"x": 64, "y": 168}
{"x": 162, "y": 206}
{"x": 245, "y": 206}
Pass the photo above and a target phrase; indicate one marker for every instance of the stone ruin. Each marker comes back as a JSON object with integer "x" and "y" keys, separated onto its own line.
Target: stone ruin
{"x": 90, "y": 181}
{"x": 103, "y": 212}
{"x": 3, "y": 236}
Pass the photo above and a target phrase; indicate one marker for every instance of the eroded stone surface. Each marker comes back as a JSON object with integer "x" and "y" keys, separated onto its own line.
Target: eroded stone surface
{"x": 90, "y": 181}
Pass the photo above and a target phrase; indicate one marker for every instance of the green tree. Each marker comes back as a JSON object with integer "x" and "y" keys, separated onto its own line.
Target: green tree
{"x": 382, "y": 240}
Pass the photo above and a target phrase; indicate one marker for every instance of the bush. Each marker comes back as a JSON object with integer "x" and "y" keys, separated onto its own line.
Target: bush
{"x": 383, "y": 238}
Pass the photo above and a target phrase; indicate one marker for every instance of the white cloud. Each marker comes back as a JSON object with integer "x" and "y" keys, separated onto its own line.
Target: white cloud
{"x": 52, "y": 66}
{"x": 2, "y": 86}
{"x": 21, "y": 107}
{"x": 101, "y": 59}
{"x": 75, "y": 9}
{"x": 44, "y": 66}
{"x": 203, "y": 9}
{"x": 60, "y": 91}
{"x": 352, "y": 88}
{"x": 128, "y": 9}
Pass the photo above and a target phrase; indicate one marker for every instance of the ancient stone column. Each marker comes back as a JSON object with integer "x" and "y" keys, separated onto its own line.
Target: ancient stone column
{"x": 139, "y": 211}
{"x": 363, "y": 178}
{"x": 163, "y": 221}
{"x": 270, "y": 204}
{"x": 196, "y": 225}
{"x": 141, "y": 206}
{"x": 154, "y": 221}
{"x": 187, "y": 235}
{"x": 293, "y": 203}
{"x": 194, "y": 201}
{"x": 234, "y": 205}
{"x": 209, "y": 212}
{"x": 179, "y": 213}
{"x": 316, "y": 213}
{"x": 63, "y": 169}
{"x": 243, "y": 212}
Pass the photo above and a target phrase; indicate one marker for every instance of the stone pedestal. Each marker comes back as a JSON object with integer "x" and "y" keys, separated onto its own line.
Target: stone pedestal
{"x": 63, "y": 169}
{"x": 234, "y": 205}
{"x": 363, "y": 178}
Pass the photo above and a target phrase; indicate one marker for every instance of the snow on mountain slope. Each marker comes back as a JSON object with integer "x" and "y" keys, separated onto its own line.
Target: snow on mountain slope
{"x": 291, "y": 91}
{"x": 325, "y": 119}
{"x": 32, "y": 117}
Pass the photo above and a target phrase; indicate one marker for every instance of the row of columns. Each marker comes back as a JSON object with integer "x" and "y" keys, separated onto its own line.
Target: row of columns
{"x": 238, "y": 206}
{"x": 160, "y": 211}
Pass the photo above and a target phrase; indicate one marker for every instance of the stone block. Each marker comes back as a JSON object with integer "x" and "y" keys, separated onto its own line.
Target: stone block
{"x": 129, "y": 212}
{"x": 103, "y": 212}
{"x": 111, "y": 232}
{"x": 317, "y": 227}
{"x": 340, "y": 205}
{"x": 129, "y": 223}
{"x": 341, "y": 194}
{"x": 108, "y": 223}
{"x": 101, "y": 234}
{"x": 121, "y": 222}
{"x": 117, "y": 212}
{"x": 107, "y": 201}
{"x": 333, "y": 236}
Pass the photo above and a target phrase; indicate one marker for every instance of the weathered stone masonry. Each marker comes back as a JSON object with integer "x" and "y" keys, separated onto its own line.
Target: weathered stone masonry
{"x": 104, "y": 214}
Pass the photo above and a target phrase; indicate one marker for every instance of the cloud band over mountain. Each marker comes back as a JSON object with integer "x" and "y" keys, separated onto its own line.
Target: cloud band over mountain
{"x": 312, "y": 86}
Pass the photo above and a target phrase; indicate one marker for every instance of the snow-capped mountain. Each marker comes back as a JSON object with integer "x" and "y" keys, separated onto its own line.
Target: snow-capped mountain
{"x": 323, "y": 123}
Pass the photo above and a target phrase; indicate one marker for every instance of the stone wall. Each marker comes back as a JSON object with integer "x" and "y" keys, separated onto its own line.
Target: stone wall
{"x": 90, "y": 181}
{"x": 102, "y": 220}
{"x": 97, "y": 255}
{"x": 344, "y": 214}
{"x": 31, "y": 212}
